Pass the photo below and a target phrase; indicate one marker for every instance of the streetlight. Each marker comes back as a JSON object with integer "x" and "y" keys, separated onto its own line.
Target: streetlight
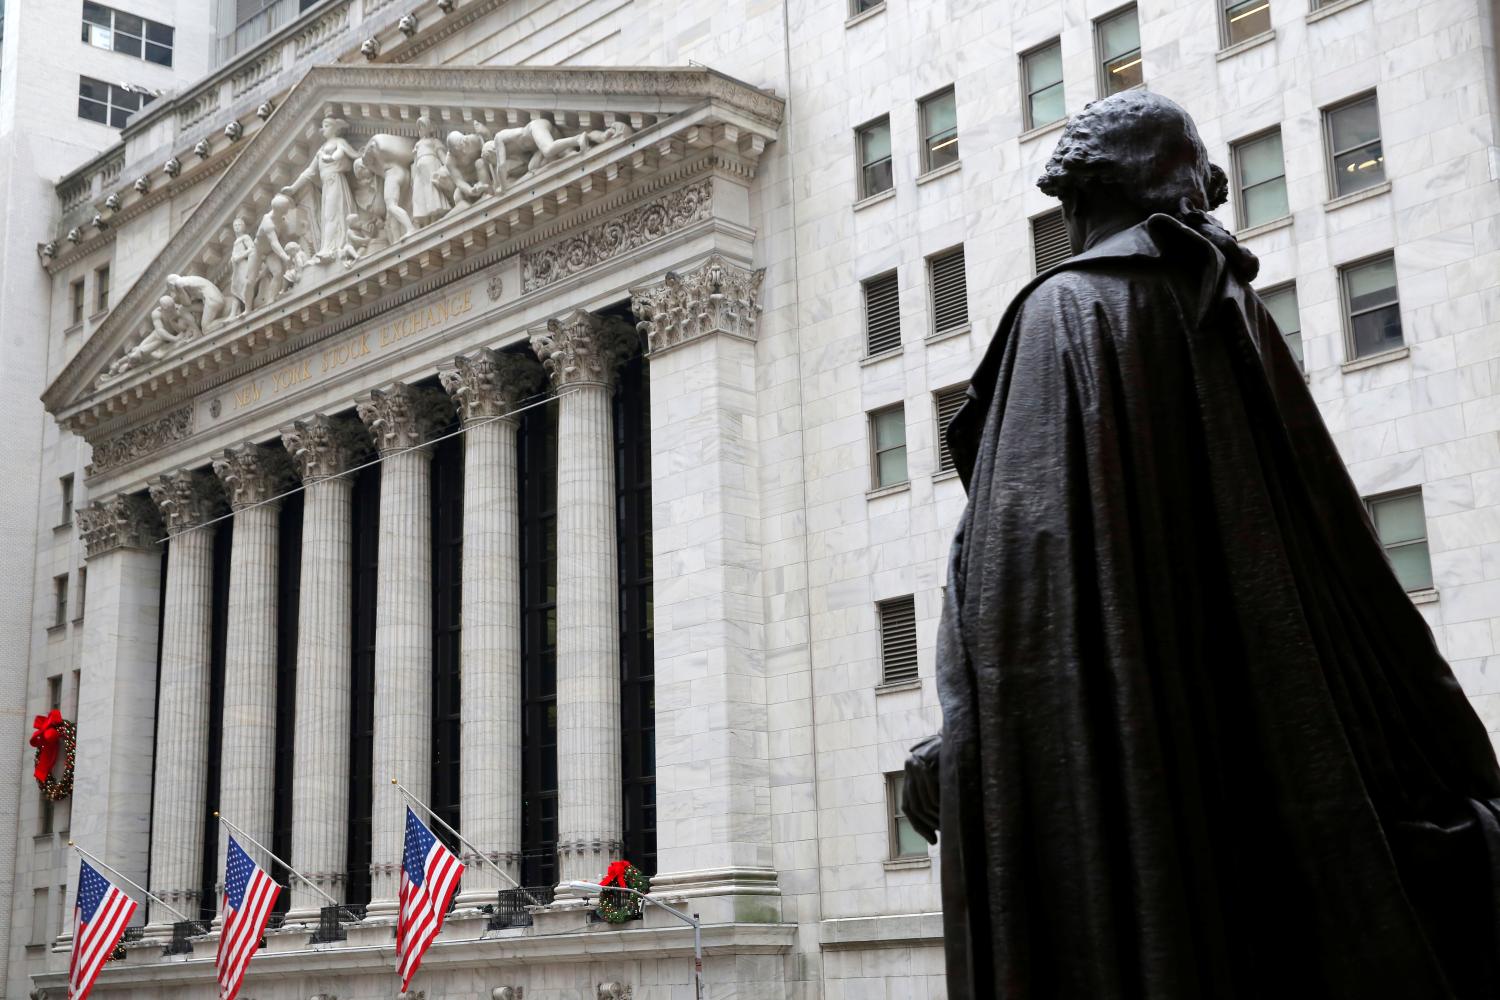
{"x": 690, "y": 919}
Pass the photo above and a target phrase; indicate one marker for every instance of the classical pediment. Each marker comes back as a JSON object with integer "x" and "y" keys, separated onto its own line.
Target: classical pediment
{"x": 370, "y": 181}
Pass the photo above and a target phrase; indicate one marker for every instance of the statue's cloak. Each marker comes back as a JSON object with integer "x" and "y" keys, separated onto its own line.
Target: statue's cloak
{"x": 1198, "y": 742}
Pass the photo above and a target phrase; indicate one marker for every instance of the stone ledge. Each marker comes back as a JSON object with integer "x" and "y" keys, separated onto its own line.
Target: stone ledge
{"x": 943, "y": 171}
{"x": 1041, "y": 130}
{"x": 942, "y": 335}
{"x": 876, "y": 199}
{"x": 1360, "y": 364}
{"x": 865, "y": 15}
{"x": 886, "y": 491}
{"x": 902, "y": 930}
{"x": 887, "y": 355}
{"x": 892, "y": 687}
{"x": 1285, "y": 222}
{"x": 1314, "y": 16}
{"x": 1427, "y": 596}
{"x": 1333, "y": 204}
{"x": 1229, "y": 52}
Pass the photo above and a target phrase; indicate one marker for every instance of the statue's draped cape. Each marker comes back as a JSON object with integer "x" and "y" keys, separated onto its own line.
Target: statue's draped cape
{"x": 1198, "y": 742}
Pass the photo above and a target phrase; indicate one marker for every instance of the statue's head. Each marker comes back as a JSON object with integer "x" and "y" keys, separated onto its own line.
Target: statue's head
{"x": 280, "y": 204}
{"x": 238, "y": 225}
{"x": 174, "y": 280}
{"x": 167, "y": 304}
{"x": 425, "y": 128}
{"x": 362, "y": 173}
{"x": 334, "y": 127}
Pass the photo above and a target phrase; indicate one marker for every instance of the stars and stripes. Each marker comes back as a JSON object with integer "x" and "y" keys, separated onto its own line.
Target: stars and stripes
{"x": 249, "y": 895}
{"x": 99, "y": 922}
{"x": 429, "y": 877}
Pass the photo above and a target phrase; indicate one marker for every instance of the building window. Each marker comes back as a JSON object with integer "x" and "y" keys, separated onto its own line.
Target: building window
{"x": 1355, "y": 158}
{"x": 888, "y": 444}
{"x": 946, "y": 403}
{"x": 1260, "y": 180}
{"x": 60, "y": 600}
{"x": 108, "y": 103}
{"x": 898, "y": 639}
{"x": 874, "y": 143}
{"x": 65, "y": 494}
{"x": 950, "y": 291}
{"x": 1281, "y": 303}
{"x": 1118, "y": 37}
{"x": 107, "y": 28}
{"x": 1042, "y": 77}
{"x": 101, "y": 289}
{"x": 939, "y": 116}
{"x": 40, "y": 911}
{"x": 882, "y": 314}
{"x": 75, "y": 299}
{"x": 906, "y": 842}
{"x": 83, "y": 584}
{"x": 1050, "y": 245}
{"x": 860, "y": 6}
{"x": 54, "y": 691}
{"x": 1244, "y": 19}
{"x": 1401, "y": 524}
{"x": 1372, "y": 309}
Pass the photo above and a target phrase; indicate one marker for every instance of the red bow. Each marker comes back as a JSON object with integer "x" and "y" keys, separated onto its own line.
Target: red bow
{"x": 616, "y": 874}
{"x": 48, "y": 740}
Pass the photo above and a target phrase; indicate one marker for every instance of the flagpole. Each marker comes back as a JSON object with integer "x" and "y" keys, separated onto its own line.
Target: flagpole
{"x": 129, "y": 881}
{"x": 463, "y": 840}
{"x": 306, "y": 881}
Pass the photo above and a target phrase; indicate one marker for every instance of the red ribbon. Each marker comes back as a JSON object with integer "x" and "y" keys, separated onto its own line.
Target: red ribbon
{"x": 48, "y": 739}
{"x": 616, "y": 874}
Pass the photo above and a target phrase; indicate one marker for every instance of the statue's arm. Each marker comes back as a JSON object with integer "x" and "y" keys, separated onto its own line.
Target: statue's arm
{"x": 921, "y": 796}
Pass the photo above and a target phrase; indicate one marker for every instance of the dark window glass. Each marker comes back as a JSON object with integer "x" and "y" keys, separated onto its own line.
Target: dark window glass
{"x": 1374, "y": 309}
{"x": 888, "y": 444}
{"x": 96, "y": 14}
{"x": 875, "y": 158}
{"x": 1356, "y": 157}
{"x": 1119, "y": 40}
{"x": 365, "y": 552}
{"x": 1245, "y": 19}
{"x": 1043, "y": 78}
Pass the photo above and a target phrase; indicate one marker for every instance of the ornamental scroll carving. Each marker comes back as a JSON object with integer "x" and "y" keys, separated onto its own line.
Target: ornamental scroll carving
{"x": 717, "y": 296}
{"x": 186, "y": 499}
{"x": 252, "y": 474}
{"x": 582, "y": 348}
{"x": 123, "y": 521}
{"x": 143, "y": 440}
{"x": 403, "y": 417}
{"x": 675, "y": 210}
{"x": 489, "y": 384}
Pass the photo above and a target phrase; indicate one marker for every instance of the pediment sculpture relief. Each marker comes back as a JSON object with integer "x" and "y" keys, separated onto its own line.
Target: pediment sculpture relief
{"x": 347, "y": 202}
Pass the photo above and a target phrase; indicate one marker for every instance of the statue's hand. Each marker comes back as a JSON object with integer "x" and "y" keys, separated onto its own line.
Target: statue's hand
{"x": 921, "y": 798}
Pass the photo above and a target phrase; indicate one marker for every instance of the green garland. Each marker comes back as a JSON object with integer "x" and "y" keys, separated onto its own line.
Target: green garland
{"x": 58, "y": 789}
{"x": 616, "y": 906}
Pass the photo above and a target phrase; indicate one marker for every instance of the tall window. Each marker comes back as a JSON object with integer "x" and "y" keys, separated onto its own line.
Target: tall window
{"x": 364, "y": 555}
{"x": 1260, "y": 180}
{"x": 1372, "y": 310}
{"x": 1401, "y": 523}
{"x": 65, "y": 499}
{"x": 75, "y": 301}
{"x": 1245, "y": 19}
{"x": 950, "y": 290}
{"x": 108, "y": 103}
{"x": 59, "y": 600}
{"x": 107, "y": 28}
{"x": 888, "y": 446}
{"x": 1118, "y": 38}
{"x": 873, "y": 142}
{"x": 1042, "y": 77}
{"x": 1049, "y": 241}
{"x": 208, "y": 901}
{"x": 54, "y": 691}
{"x": 536, "y": 474}
{"x": 1281, "y": 303}
{"x": 939, "y": 116}
{"x": 945, "y": 404}
{"x": 80, "y": 599}
{"x": 446, "y": 505}
{"x": 905, "y": 842}
{"x": 898, "y": 639}
{"x": 882, "y": 314}
{"x": 288, "y": 611}
{"x": 101, "y": 289}
{"x": 1356, "y": 159}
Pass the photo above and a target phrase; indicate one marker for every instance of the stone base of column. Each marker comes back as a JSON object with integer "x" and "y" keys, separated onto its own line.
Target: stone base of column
{"x": 720, "y": 895}
{"x": 481, "y": 883}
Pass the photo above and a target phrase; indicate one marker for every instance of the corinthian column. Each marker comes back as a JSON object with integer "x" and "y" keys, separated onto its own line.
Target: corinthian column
{"x": 322, "y": 449}
{"x": 486, "y": 387}
{"x": 401, "y": 420}
{"x": 187, "y": 500}
{"x": 582, "y": 354}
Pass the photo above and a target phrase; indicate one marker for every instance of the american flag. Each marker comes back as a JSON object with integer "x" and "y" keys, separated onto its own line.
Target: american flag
{"x": 98, "y": 924}
{"x": 429, "y": 877}
{"x": 249, "y": 895}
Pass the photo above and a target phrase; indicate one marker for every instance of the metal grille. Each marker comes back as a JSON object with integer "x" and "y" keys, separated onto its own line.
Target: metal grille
{"x": 950, "y": 291}
{"x": 510, "y": 909}
{"x": 1049, "y": 241}
{"x": 947, "y": 401}
{"x": 882, "y": 315}
{"x": 898, "y": 639}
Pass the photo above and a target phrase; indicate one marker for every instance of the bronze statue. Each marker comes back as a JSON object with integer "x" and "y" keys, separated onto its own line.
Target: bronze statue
{"x": 1197, "y": 741}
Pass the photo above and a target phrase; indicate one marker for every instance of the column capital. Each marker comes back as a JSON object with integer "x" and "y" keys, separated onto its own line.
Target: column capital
{"x": 123, "y": 521}
{"x": 402, "y": 416}
{"x": 186, "y": 498}
{"x": 322, "y": 446}
{"x": 252, "y": 474}
{"x": 580, "y": 347}
{"x": 716, "y": 296}
{"x": 490, "y": 383}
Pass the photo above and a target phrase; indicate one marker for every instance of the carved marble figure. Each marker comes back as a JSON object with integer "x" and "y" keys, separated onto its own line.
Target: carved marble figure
{"x": 171, "y": 325}
{"x": 516, "y": 152}
{"x": 428, "y": 203}
{"x": 390, "y": 156}
{"x": 240, "y": 253}
{"x": 212, "y": 304}
{"x": 367, "y": 224}
{"x": 462, "y": 170}
{"x": 332, "y": 166}
{"x": 270, "y": 265}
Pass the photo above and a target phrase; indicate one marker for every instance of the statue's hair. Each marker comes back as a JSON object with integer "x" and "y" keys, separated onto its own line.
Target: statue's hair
{"x": 340, "y": 125}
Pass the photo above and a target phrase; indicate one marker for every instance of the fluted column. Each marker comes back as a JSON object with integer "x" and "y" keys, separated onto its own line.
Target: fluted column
{"x": 187, "y": 500}
{"x": 323, "y": 448}
{"x": 582, "y": 354}
{"x": 401, "y": 420}
{"x": 486, "y": 387}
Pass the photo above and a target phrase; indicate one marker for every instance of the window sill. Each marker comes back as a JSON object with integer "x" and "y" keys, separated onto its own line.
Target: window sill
{"x": 943, "y": 171}
{"x": 1313, "y": 16}
{"x": 886, "y": 491}
{"x": 1428, "y": 596}
{"x": 875, "y": 199}
{"x": 875, "y": 359}
{"x": 1384, "y": 187}
{"x": 942, "y": 335}
{"x": 1041, "y": 130}
{"x": 56, "y": 628}
{"x": 78, "y": 620}
{"x": 945, "y": 475}
{"x": 75, "y": 328}
{"x": 905, "y": 864}
{"x": 1245, "y": 46}
{"x": 96, "y": 317}
{"x": 62, "y": 526}
{"x": 1284, "y": 222}
{"x": 892, "y": 687}
{"x": 1360, "y": 364}
{"x": 864, "y": 15}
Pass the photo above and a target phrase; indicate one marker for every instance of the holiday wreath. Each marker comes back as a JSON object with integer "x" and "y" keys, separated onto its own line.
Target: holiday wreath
{"x": 54, "y": 735}
{"x": 616, "y": 906}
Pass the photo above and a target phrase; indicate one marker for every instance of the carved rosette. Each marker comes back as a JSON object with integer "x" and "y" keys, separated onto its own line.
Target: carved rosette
{"x": 581, "y": 348}
{"x": 187, "y": 499}
{"x": 403, "y": 416}
{"x": 322, "y": 446}
{"x": 252, "y": 474}
{"x": 124, "y": 521}
{"x": 717, "y": 296}
{"x": 490, "y": 384}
